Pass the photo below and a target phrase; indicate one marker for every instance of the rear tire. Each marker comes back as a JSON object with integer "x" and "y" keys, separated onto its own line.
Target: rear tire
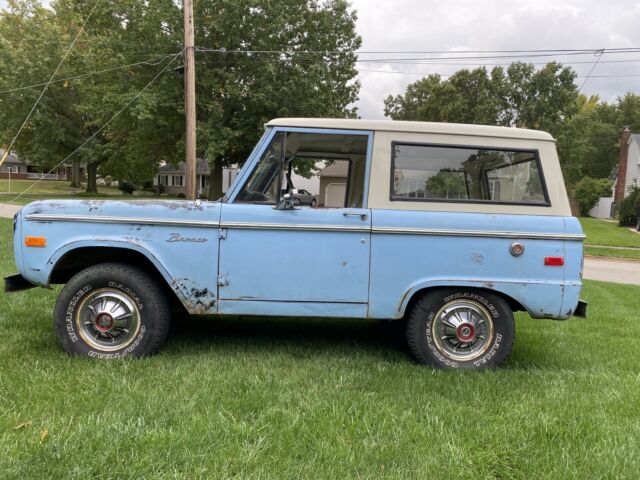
{"x": 112, "y": 310}
{"x": 460, "y": 329}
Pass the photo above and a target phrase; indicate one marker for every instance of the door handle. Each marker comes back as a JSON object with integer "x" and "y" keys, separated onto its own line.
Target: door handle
{"x": 363, "y": 216}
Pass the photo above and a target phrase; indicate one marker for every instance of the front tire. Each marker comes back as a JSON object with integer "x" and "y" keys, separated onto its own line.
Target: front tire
{"x": 460, "y": 329}
{"x": 112, "y": 310}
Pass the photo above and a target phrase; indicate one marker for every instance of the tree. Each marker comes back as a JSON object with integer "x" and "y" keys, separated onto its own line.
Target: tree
{"x": 236, "y": 91}
{"x": 518, "y": 97}
{"x": 588, "y": 190}
{"x": 244, "y": 91}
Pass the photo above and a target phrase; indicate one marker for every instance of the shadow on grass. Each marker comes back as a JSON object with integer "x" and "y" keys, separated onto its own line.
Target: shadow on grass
{"x": 201, "y": 334}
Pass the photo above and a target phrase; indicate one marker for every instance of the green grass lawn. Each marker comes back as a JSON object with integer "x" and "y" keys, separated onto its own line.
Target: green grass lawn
{"x": 49, "y": 189}
{"x": 600, "y": 232}
{"x": 256, "y": 398}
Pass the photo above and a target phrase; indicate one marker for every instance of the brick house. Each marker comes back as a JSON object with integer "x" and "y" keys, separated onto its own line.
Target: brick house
{"x": 628, "y": 165}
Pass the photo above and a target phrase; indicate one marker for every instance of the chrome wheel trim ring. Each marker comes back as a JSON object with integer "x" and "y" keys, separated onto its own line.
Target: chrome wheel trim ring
{"x": 462, "y": 330}
{"x": 108, "y": 320}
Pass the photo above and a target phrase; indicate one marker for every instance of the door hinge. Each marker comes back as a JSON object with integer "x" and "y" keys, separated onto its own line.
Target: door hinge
{"x": 222, "y": 281}
{"x": 222, "y": 234}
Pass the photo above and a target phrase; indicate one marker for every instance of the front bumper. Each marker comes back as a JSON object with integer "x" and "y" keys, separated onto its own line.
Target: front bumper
{"x": 16, "y": 283}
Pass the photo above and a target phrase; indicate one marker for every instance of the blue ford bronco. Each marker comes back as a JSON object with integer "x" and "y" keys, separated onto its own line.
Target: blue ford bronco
{"x": 450, "y": 228}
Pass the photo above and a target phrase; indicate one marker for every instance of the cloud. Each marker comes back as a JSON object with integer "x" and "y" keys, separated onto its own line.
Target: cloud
{"x": 458, "y": 25}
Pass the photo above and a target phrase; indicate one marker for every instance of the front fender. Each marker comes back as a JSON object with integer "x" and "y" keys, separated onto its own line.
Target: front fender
{"x": 67, "y": 248}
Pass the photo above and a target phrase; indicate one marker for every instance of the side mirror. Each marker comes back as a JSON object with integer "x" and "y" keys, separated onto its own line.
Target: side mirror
{"x": 285, "y": 203}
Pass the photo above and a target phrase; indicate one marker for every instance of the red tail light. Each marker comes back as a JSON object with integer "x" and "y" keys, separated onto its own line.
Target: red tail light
{"x": 554, "y": 261}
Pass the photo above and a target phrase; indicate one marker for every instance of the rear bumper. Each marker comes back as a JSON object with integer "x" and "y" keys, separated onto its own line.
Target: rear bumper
{"x": 16, "y": 283}
{"x": 581, "y": 309}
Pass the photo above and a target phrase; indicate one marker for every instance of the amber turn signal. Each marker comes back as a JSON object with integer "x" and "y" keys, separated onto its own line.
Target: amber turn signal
{"x": 35, "y": 241}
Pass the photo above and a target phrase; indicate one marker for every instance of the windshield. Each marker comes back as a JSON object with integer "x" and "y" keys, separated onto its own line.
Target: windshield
{"x": 262, "y": 187}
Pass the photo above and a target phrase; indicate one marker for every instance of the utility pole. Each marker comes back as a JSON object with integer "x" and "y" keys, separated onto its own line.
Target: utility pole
{"x": 190, "y": 100}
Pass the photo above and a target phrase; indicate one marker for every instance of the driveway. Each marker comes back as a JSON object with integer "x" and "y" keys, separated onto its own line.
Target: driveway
{"x": 8, "y": 210}
{"x": 610, "y": 270}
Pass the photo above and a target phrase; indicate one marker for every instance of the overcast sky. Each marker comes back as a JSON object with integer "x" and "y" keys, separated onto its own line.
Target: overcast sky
{"x": 458, "y": 25}
{"x": 454, "y": 25}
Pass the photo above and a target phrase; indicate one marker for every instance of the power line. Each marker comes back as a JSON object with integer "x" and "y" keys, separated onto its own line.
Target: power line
{"x": 115, "y": 115}
{"x": 592, "y": 69}
{"x": 50, "y": 79}
{"x": 96, "y": 72}
{"x": 583, "y": 51}
{"x": 449, "y": 75}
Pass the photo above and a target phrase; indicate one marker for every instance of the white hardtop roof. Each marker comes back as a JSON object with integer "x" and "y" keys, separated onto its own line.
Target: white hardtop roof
{"x": 413, "y": 127}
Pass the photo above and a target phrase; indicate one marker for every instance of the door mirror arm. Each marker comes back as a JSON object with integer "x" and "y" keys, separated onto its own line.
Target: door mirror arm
{"x": 286, "y": 203}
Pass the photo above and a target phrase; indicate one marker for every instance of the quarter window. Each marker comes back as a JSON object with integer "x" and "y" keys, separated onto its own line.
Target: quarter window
{"x": 466, "y": 174}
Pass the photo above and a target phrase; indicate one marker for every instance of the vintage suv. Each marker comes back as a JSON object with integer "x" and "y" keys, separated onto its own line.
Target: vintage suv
{"x": 449, "y": 227}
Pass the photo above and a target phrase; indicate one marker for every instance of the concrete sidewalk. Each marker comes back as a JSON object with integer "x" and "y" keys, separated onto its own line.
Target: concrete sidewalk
{"x": 8, "y": 210}
{"x": 610, "y": 270}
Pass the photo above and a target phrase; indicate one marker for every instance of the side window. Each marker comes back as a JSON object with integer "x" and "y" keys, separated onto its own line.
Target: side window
{"x": 334, "y": 164}
{"x": 466, "y": 174}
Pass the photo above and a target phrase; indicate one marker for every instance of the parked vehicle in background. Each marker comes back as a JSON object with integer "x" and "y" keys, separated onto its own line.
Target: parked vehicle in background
{"x": 450, "y": 228}
{"x": 303, "y": 197}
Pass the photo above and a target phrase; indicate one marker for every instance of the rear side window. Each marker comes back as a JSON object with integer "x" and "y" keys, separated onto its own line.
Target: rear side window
{"x": 466, "y": 174}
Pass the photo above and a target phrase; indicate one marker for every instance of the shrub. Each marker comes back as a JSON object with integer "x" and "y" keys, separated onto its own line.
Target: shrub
{"x": 629, "y": 208}
{"x": 589, "y": 190}
{"x": 126, "y": 187}
{"x": 181, "y": 195}
{"x": 147, "y": 186}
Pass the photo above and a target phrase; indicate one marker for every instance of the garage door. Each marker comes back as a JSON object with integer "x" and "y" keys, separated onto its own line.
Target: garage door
{"x": 334, "y": 195}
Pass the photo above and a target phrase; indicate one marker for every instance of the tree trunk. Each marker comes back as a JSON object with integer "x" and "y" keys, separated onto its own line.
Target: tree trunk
{"x": 215, "y": 183}
{"x": 75, "y": 174}
{"x": 92, "y": 173}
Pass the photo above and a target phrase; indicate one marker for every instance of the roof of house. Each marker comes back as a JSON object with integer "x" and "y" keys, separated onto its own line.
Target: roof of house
{"x": 337, "y": 169}
{"x": 413, "y": 127}
{"x": 11, "y": 158}
{"x": 202, "y": 167}
{"x": 635, "y": 137}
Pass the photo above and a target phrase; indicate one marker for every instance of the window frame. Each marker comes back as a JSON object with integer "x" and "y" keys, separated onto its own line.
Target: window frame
{"x": 264, "y": 142}
{"x": 534, "y": 151}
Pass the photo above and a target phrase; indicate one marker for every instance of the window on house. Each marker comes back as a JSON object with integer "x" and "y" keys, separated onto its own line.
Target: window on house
{"x": 177, "y": 180}
{"x": 466, "y": 174}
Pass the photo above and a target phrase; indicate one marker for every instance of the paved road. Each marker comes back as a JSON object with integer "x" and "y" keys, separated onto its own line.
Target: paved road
{"x": 607, "y": 270}
{"x": 8, "y": 210}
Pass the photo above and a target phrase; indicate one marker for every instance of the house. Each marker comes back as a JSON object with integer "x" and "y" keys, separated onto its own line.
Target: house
{"x": 333, "y": 184}
{"x": 12, "y": 167}
{"x": 628, "y": 165}
{"x": 628, "y": 175}
{"x": 18, "y": 168}
{"x": 171, "y": 178}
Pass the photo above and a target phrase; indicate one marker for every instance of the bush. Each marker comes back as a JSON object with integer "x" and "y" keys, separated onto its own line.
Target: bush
{"x": 629, "y": 208}
{"x": 589, "y": 190}
{"x": 181, "y": 195}
{"x": 126, "y": 187}
{"x": 147, "y": 186}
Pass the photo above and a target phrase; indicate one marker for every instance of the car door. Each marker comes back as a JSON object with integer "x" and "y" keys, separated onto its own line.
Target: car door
{"x": 303, "y": 255}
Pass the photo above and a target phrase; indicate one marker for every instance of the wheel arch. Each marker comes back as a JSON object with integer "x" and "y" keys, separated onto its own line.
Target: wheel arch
{"x": 73, "y": 258}
{"x": 414, "y": 294}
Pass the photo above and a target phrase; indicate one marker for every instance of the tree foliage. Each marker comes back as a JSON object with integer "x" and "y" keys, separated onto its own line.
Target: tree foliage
{"x": 236, "y": 92}
{"x": 588, "y": 190}
{"x": 519, "y": 96}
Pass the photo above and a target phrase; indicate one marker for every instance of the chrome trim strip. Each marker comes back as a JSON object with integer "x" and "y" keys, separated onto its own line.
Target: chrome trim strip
{"x": 479, "y": 233}
{"x": 304, "y": 227}
{"x": 44, "y": 217}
